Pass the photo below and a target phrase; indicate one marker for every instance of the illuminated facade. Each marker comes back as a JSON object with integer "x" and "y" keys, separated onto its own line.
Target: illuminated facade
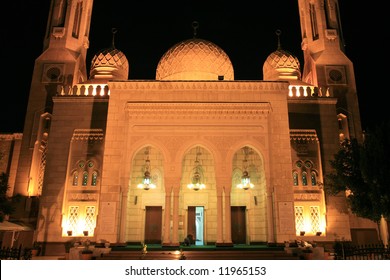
{"x": 154, "y": 160}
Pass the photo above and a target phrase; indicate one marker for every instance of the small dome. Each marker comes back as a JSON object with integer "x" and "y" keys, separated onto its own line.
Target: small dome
{"x": 281, "y": 65}
{"x": 195, "y": 59}
{"x": 109, "y": 64}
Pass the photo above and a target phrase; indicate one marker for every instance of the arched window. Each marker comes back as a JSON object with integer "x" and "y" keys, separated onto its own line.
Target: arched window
{"x": 304, "y": 178}
{"x": 85, "y": 178}
{"x": 75, "y": 178}
{"x": 295, "y": 178}
{"x": 94, "y": 178}
{"x": 313, "y": 179}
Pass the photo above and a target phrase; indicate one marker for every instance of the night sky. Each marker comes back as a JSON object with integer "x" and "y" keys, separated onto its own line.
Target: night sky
{"x": 146, "y": 30}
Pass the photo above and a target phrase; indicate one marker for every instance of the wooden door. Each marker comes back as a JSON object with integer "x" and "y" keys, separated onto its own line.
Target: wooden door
{"x": 238, "y": 224}
{"x": 191, "y": 226}
{"x": 153, "y": 224}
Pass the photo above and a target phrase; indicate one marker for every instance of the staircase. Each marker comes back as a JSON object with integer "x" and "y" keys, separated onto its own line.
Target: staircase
{"x": 199, "y": 255}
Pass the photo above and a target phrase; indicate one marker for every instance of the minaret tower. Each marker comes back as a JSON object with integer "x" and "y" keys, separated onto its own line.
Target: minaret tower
{"x": 325, "y": 62}
{"x": 62, "y": 63}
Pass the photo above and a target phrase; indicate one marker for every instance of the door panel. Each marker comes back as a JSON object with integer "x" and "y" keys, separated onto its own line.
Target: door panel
{"x": 238, "y": 224}
{"x": 191, "y": 226}
{"x": 153, "y": 224}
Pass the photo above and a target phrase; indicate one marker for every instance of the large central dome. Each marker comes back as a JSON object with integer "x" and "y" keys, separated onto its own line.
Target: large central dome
{"x": 195, "y": 59}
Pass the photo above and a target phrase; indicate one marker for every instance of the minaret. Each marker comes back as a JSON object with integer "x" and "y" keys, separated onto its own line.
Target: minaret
{"x": 62, "y": 63}
{"x": 325, "y": 62}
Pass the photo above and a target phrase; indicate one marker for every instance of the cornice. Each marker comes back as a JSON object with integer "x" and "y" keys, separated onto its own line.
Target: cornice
{"x": 198, "y": 85}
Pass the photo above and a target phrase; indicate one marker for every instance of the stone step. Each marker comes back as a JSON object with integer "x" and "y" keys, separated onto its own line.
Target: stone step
{"x": 200, "y": 255}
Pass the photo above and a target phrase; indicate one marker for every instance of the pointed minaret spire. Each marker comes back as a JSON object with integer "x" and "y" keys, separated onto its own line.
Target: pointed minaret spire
{"x": 195, "y": 26}
{"x": 278, "y": 32}
{"x": 114, "y": 31}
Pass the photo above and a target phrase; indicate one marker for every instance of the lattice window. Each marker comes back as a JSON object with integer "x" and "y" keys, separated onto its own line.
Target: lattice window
{"x": 73, "y": 217}
{"x": 315, "y": 218}
{"x": 299, "y": 221}
{"x": 42, "y": 166}
{"x": 90, "y": 213}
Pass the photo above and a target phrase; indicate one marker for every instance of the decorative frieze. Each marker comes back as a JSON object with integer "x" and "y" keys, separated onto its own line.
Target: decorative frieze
{"x": 314, "y": 195}
{"x": 196, "y": 111}
{"x": 83, "y": 197}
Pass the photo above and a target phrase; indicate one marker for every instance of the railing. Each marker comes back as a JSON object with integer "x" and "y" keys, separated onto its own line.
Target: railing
{"x": 103, "y": 90}
{"x": 308, "y": 91}
{"x": 85, "y": 90}
{"x": 348, "y": 251}
{"x": 15, "y": 253}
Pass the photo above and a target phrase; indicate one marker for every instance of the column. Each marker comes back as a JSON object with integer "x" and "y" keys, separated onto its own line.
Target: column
{"x": 270, "y": 217}
{"x": 123, "y": 214}
{"x": 219, "y": 217}
{"x": 228, "y": 218}
{"x": 175, "y": 217}
{"x": 167, "y": 218}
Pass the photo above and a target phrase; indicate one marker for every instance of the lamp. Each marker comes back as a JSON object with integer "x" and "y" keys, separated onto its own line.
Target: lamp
{"x": 196, "y": 183}
{"x": 147, "y": 180}
{"x": 245, "y": 179}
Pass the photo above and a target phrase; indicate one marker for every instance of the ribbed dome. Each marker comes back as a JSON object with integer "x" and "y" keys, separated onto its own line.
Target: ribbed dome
{"x": 109, "y": 64}
{"x": 195, "y": 59}
{"x": 281, "y": 65}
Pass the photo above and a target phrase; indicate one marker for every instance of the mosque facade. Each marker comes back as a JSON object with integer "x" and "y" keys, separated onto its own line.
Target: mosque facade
{"x": 193, "y": 151}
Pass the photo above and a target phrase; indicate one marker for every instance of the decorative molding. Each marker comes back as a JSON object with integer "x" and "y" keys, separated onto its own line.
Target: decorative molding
{"x": 198, "y": 111}
{"x": 331, "y": 34}
{"x": 224, "y": 142}
{"x": 58, "y": 32}
{"x": 88, "y": 135}
{"x": 201, "y": 85}
{"x": 83, "y": 197}
{"x": 306, "y": 135}
{"x": 307, "y": 197}
{"x": 11, "y": 136}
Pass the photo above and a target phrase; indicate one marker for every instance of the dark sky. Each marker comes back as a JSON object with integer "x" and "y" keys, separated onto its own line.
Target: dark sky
{"x": 147, "y": 29}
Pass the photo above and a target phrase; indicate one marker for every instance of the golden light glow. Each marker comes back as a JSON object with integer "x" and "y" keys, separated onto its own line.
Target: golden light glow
{"x": 147, "y": 180}
{"x": 310, "y": 230}
{"x": 80, "y": 228}
{"x": 196, "y": 183}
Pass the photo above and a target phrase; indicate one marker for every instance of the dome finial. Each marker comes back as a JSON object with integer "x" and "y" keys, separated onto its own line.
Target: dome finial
{"x": 114, "y": 31}
{"x": 195, "y": 26}
{"x": 278, "y": 32}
